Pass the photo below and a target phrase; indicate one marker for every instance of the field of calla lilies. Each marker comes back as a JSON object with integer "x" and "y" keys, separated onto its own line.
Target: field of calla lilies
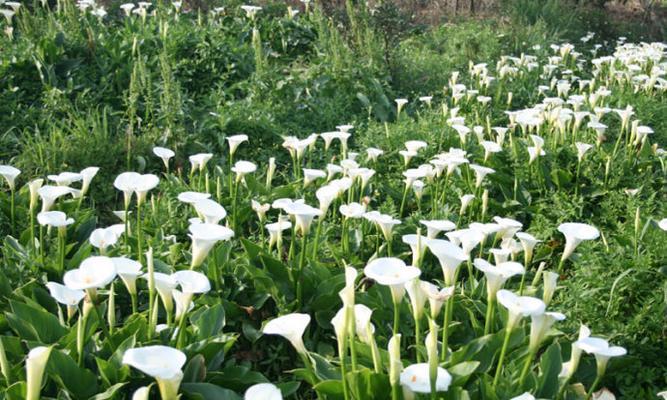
{"x": 173, "y": 228}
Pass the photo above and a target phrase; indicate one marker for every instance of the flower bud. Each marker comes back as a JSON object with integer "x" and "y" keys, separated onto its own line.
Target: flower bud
{"x": 35, "y": 365}
{"x": 395, "y": 365}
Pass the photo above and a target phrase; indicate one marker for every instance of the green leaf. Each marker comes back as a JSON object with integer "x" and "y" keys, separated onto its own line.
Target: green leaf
{"x": 34, "y": 324}
{"x": 110, "y": 393}
{"x": 330, "y": 389}
{"x": 551, "y": 364}
{"x": 207, "y": 391}
{"x": 461, "y": 372}
{"x": 79, "y": 382}
{"x": 208, "y": 321}
{"x": 195, "y": 369}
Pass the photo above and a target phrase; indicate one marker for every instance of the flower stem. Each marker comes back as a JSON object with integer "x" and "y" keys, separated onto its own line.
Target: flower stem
{"x": 302, "y": 262}
{"x": 396, "y": 316}
{"x": 526, "y": 367}
{"x": 488, "y": 323}
{"x": 449, "y": 307}
{"x": 405, "y": 195}
{"x": 499, "y": 368}
{"x": 598, "y": 377}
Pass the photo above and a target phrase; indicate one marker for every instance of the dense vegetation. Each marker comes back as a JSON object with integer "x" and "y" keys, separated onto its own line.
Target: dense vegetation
{"x": 86, "y": 85}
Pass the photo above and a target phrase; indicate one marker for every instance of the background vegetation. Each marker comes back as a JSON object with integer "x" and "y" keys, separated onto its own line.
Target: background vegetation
{"x": 75, "y": 93}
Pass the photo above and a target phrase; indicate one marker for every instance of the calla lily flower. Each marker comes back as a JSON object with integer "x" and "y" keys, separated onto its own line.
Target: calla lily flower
{"x": 64, "y": 295}
{"x": 467, "y": 238}
{"x": 602, "y": 351}
{"x": 260, "y": 209}
{"x": 263, "y": 391}
{"x": 363, "y": 325}
{"x": 386, "y": 224}
{"x": 165, "y": 154}
{"x": 450, "y": 257}
{"x": 582, "y": 148}
{"x": 395, "y": 364}
{"x": 126, "y": 183}
{"x": 570, "y": 367}
{"x": 326, "y": 195}
{"x": 352, "y": 210}
{"x": 466, "y": 199}
{"x": 102, "y": 238}
{"x": 128, "y": 270}
{"x": 416, "y": 379}
{"x": 496, "y": 276}
{"x": 519, "y": 306}
{"x": 87, "y": 175}
{"x": 534, "y": 153}
{"x": 417, "y": 296}
{"x": 434, "y": 227}
{"x": 276, "y": 231}
{"x": 164, "y": 284}
{"x": 480, "y": 173}
{"x": 160, "y": 362}
{"x": 528, "y": 242}
{"x": 347, "y": 293}
{"x": 94, "y": 272}
{"x": 211, "y": 210}
{"x": 311, "y": 175}
{"x": 192, "y": 282}
{"x": 204, "y": 237}
{"x": 417, "y": 245}
{"x": 35, "y": 365}
{"x": 303, "y": 215}
{"x": 436, "y": 298}
{"x": 243, "y": 168}
{"x": 550, "y": 281}
{"x": 415, "y": 145}
{"x": 291, "y": 327}
{"x": 391, "y": 272}
{"x": 198, "y": 161}
{"x": 500, "y": 255}
{"x": 576, "y": 233}
{"x": 49, "y": 194}
{"x": 65, "y": 178}
{"x": 540, "y": 326}
{"x": 234, "y": 142}
{"x": 251, "y": 11}
{"x": 56, "y": 219}
{"x": 192, "y": 197}
{"x": 373, "y": 153}
{"x": 33, "y": 187}
{"x": 490, "y": 148}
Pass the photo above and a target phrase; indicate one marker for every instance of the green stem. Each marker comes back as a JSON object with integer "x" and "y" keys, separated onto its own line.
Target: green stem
{"x": 489, "y": 316}
{"x": 526, "y": 367}
{"x": 405, "y": 195}
{"x": 61, "y": 250}
{"x": 302, "y": 263}
{"x": 343, "y": 369}
{"x": 317, "y": 235}
{"x": 593, "y": 386}
{"x": 417, "y": 338}
{"x": 139, "y": 233}
{"x": 499, "y": 368}
{"x": 396, "y": 316}
{"x": 449, "y": 307}
{"x": 12, "y": 210}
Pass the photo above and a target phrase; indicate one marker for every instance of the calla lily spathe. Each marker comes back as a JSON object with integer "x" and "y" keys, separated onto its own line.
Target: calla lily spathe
{"x": 291, "y": 327}
{"x": 576, "y": 233}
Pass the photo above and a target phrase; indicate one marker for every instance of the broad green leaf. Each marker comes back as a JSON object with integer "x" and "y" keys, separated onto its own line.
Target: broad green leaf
{"x": 207, "y": 391}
